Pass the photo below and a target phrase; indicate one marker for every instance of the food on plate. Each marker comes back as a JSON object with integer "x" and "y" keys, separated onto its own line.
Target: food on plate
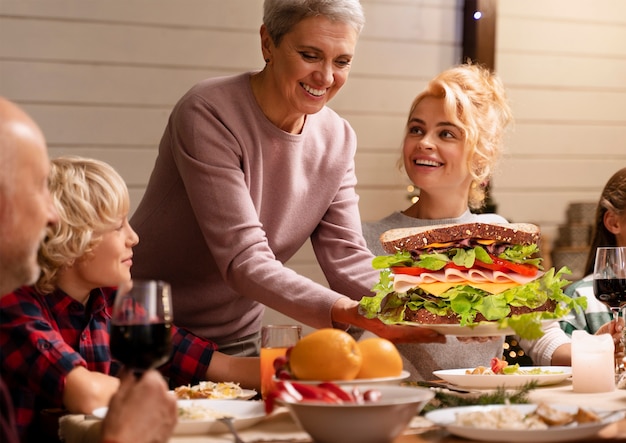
{"x": 511, "y": 418}
{"x": 325, "y": 354}
{"x": 502, "y": 367}
{"x": 332, "y": 354}
{"x": 465, "y": 274}
{"x": 197, "y": 412}
{"x": 586, "y": 416}
{"x": 553, "y": 417}
{"x": 209, "y": 389}
{"x": 381, "y": 358}
{"x": 500, "y": 418}
{"x": 325, "y": 392}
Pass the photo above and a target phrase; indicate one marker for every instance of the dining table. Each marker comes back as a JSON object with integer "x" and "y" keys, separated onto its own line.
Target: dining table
{"x": 279, "y": 426}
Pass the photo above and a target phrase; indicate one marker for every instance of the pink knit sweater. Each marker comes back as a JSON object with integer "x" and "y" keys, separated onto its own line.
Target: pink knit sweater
{"x": 232, "y": 197}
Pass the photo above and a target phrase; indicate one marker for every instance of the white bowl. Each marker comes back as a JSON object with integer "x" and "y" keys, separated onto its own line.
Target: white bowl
{"x": 375, "y": 422}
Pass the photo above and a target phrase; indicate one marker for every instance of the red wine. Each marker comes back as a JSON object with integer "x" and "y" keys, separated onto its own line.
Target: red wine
{"x": 141, "y": 347}
{"x": 611, "y": 291}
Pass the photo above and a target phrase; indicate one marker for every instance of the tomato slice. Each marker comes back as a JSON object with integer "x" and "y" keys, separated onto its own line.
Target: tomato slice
{"x": 492, "y": 266}
{"x": 410, "y": 270}
{"x": 518, "y": 268}
{"x": 497, "y": 265}
{"x": 452, "y": 265}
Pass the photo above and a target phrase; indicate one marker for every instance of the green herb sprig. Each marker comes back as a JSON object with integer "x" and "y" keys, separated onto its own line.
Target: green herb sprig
{"x": 499, "y": 396}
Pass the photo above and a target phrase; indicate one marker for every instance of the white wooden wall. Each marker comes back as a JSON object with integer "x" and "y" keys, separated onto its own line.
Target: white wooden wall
{"x": 100, "y": 76}
{"x": 564, "y": 65}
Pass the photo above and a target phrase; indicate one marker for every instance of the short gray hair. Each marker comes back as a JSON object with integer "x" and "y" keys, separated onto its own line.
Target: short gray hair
{"x": 280, "y": 16}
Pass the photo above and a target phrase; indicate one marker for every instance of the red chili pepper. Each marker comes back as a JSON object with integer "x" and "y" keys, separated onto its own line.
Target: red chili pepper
{"x": 315, "y": 393}
{"x": 272, "y": 396}
{"x": 289, "y": 388}
{"x": 332, "y": 387}
{"x": 372, "y": 395}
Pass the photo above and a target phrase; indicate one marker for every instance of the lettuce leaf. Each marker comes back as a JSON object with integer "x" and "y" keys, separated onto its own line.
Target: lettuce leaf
{"x": 522, "y": 254}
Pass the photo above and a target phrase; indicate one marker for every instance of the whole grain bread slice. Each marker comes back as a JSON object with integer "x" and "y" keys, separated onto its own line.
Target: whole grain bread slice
{"x": 417, "y": 238}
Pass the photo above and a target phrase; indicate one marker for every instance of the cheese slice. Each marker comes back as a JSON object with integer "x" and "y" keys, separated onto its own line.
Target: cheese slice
{"x": 438, "y": 288}
{"x": 441, "y": 245}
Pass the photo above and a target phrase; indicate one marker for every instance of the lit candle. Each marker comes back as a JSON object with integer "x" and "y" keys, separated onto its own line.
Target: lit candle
{"x": 593, "y": 363}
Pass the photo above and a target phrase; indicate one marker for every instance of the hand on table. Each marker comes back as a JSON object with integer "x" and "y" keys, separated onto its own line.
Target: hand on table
{"x": 142, "y": 411}
{"x": 616, "y": 329}
{"x": 345, "y": 311}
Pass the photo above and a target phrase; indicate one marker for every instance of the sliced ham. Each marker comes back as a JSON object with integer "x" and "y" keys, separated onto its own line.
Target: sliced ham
{"x": 404, "y": 282}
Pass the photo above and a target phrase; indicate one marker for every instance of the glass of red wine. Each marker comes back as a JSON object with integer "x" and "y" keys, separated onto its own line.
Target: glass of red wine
{"x": 609, "y": 281}
{"x": 141, "y": 324}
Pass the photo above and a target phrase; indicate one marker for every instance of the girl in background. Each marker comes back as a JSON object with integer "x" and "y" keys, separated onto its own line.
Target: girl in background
{"x": 609, "y": 230}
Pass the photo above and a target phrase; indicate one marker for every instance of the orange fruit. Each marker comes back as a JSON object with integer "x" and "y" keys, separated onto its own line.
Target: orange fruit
{"x": 325, "y": 354}
{"x": 380, "y": 358}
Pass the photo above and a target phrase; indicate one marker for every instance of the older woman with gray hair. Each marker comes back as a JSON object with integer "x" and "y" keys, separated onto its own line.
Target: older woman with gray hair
{"x": 250, "y": 167}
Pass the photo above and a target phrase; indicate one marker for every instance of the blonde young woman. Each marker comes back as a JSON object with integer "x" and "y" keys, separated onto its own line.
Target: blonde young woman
{"x": 54, "y": 339}
{"x": 454, "y": 137}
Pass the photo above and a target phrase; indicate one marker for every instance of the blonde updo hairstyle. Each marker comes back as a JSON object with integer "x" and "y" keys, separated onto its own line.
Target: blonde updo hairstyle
{"x": 90, "y": 198}
{"x": 474, "y": 100}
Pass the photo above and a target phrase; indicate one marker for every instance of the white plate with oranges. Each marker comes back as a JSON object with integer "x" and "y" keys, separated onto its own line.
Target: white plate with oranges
{"x": 329, "y": 354}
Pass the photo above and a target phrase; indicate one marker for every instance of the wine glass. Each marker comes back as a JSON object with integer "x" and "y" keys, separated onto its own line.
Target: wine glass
{"x": 609, "y": 280}
{"x": 141, "y": 324}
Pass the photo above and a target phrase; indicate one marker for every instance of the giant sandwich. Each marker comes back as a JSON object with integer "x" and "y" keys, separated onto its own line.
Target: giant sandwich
{"x": 465, "y": 275}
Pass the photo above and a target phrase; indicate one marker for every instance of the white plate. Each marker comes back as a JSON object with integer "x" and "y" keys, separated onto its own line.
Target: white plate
{"x": 358, "y": 381}
{"x": 477, "y": 381}
{"x": 446, "y": 418}
{"x": 246, "y": 394}
{"x": 483, "y": 329}
{"x": 245, "y": 413}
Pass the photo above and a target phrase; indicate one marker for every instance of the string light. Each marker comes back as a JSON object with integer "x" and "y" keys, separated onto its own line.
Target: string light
{"x": 413, "y": 194}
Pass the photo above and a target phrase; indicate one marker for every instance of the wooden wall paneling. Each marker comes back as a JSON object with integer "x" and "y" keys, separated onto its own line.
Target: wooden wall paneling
{"x": 377, "y": 131}
{"x": 559, "y": 37}
{"x": 378, "y": 202}
{"x": 92, "y": 125}
{"x": 566, "y": 78}
{"x": 562, "y": 71}
{"x": 128, "y": 44}
{"x": 548, "y": 208}
{"x": 134, "y": 164}
{"x": 568, "y": 10}
{"x": 90, "y": 83}
{"x": 418, "y": 21}
{"x": 535, "y": 174}
{"x": 231, "y": 14}
{"x": 378, "y": 96}
{"x": 396, "y": 59}
{"x": 585, "y": 106}
{"x": 571, "y": 139}
{"x": 378, "y": 169}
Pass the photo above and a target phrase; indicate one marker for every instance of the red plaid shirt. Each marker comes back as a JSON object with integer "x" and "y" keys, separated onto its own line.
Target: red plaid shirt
{"x": 43, "y": 337}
